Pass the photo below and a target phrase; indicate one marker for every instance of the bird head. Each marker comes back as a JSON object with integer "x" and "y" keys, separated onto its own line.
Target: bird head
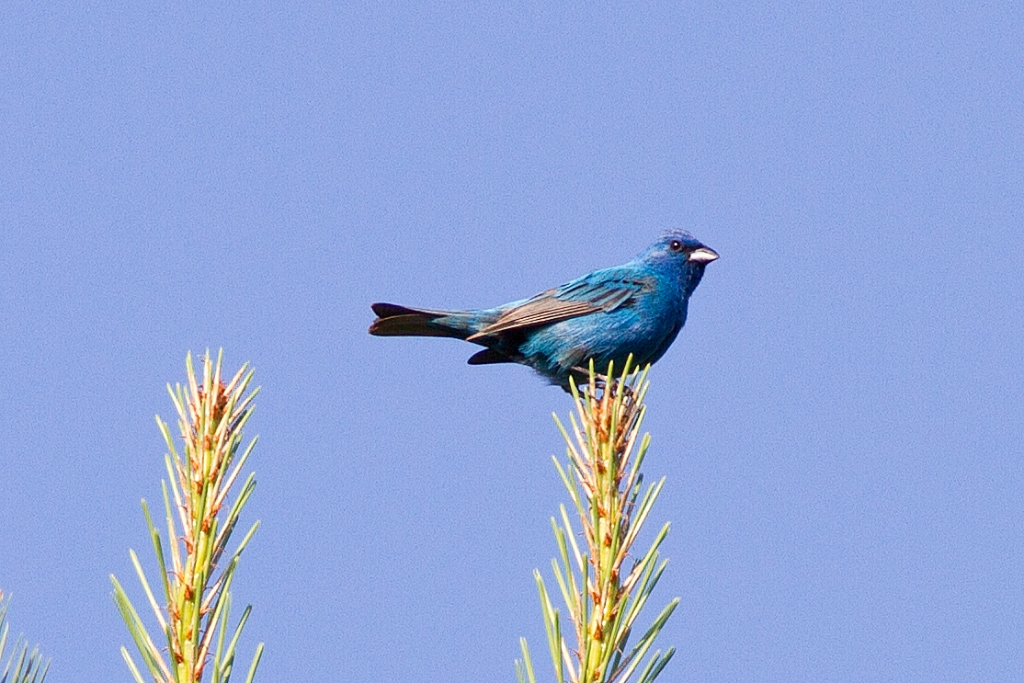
{"x": 682, "y": 254}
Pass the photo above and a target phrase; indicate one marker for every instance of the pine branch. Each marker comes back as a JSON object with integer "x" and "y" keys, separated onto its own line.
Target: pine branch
{"x": 603, "y": 593}
{"x": 193, "y": 619}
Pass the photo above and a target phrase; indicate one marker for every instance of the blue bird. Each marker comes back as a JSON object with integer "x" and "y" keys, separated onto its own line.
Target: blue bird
{"x": 638, "y": 307}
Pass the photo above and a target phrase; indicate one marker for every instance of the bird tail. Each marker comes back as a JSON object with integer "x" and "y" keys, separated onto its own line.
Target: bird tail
{"x": 400, "y": 321}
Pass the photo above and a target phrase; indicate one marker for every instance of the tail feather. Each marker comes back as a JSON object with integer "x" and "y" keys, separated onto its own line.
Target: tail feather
{"x": 400, "y": 321}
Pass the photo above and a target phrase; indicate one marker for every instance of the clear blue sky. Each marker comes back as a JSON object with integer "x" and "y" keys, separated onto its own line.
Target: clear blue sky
{"x": 840, "y": 422}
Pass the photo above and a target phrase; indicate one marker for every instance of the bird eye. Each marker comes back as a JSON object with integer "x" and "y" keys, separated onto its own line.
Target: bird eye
{"x": 675, "y": 245}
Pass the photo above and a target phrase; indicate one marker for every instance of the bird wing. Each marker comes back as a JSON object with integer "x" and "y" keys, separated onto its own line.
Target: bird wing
{"x": 599, "y": 292}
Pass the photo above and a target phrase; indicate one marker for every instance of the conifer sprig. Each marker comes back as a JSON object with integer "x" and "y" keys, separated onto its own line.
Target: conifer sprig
{"x": 196, "y": 584}
{"x": 23, "y": 666}
{"x": 602, "y": 584}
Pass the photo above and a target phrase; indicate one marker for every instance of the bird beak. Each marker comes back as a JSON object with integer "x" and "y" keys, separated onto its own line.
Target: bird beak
{"x": 703, "y": 255}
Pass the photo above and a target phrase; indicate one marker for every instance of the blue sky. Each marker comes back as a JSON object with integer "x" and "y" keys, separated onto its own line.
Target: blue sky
{"x": 840, "y": 422}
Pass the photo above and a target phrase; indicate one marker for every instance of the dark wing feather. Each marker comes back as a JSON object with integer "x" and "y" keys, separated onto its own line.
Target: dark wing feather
{"x": 572, "y": 300}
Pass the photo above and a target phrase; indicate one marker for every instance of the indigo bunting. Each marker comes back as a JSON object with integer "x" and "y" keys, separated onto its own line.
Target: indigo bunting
{"x": 638, "y": 307}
